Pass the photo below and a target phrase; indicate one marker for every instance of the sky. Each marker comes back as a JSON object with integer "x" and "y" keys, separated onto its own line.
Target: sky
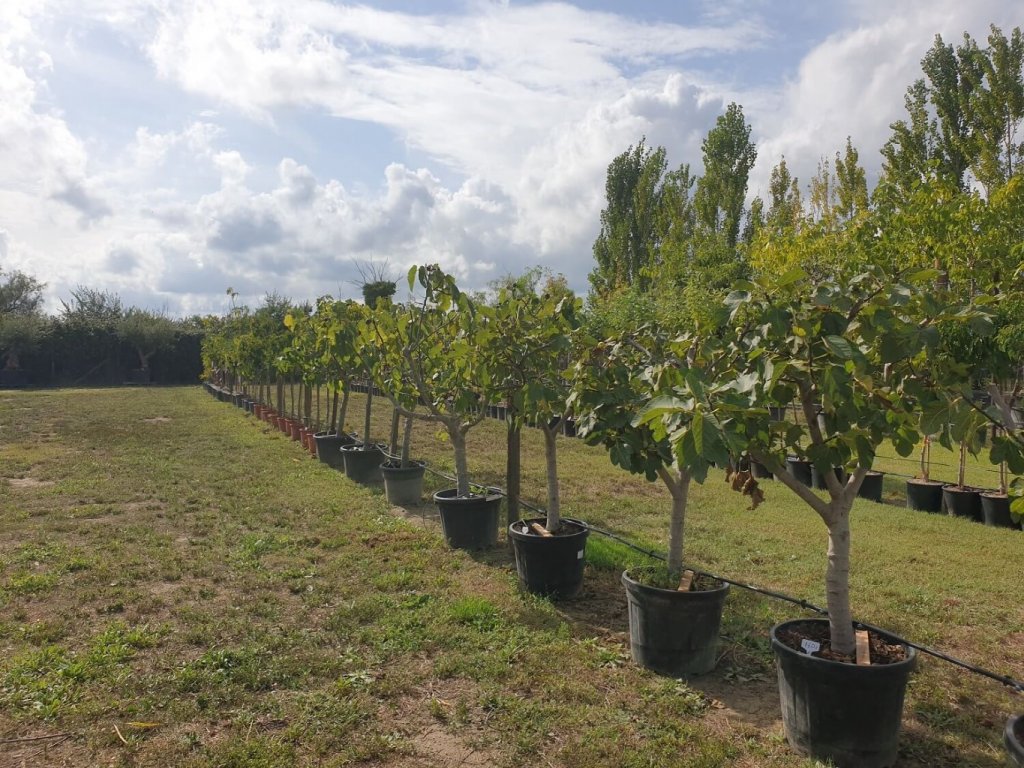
{"x": 168, "y": 150}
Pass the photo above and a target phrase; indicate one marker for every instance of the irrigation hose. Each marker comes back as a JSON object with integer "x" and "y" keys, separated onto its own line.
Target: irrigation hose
{"x": 1014, "y": 685}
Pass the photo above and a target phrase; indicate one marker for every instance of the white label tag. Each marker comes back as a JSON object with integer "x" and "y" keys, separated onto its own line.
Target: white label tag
{"x": 810, "y": 646}
{"x": 579, "y": 555}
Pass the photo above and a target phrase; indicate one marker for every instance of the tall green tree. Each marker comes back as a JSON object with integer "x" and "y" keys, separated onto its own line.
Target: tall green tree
{"x": 851, "y": 183}
{"x": 996, "y": 105}
{"x": 908, "y": 152}
{"x": 729, "y": 154}
{"x": 20, "y": 294}
{"x": 629, "y": 237}
{"x": 785, "y": 206}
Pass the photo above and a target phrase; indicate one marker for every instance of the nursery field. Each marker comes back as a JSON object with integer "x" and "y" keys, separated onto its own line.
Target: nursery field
{"x": 181, "y": 585}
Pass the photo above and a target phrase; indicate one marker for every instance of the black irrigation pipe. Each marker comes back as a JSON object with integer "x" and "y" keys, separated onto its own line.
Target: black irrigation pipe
{"x": 1014, "y": 685}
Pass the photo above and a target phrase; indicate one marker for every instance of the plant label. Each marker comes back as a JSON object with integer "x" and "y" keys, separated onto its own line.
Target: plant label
{"x": 810, "y": 646}
{"x": 579, "y": 555}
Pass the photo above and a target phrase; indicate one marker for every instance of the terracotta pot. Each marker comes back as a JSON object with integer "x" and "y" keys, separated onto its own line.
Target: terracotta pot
{"x": 295, "y": 430}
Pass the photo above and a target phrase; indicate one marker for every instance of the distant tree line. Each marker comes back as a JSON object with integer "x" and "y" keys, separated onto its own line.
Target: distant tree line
{"x": 94, "y": 339}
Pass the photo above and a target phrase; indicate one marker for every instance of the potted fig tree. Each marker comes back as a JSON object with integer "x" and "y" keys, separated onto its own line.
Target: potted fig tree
{"x": 619, "y": 392}
{"x": 864, "y": 347}
{"x": 388, "y": 328}
{"x": 441, "y": 348}
{"x": 528, "y": 356}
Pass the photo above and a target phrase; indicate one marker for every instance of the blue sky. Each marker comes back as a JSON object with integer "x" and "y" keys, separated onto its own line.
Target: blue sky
{"x": 169, "y": 149}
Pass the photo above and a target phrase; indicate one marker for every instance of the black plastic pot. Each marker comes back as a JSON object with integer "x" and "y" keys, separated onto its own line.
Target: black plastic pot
{"x": 328, "y": 448}
{"x": 1013, "y": 739}
{"x": 846, "y": 713}
{"x": 362, "y": 464}
{"x": 924, "y": 495}
{"x": 760, "y": 471}
{"x": 674, "y": 633}
{"x": 799, "y": 468}
{"x": 403, "y": 486}
{"x": 818, "y": 478}
{"x": 550, "y": 565}
{"x": 995, "y": 510}
{"x": 962, "y": 502}
{"x": 468, "y": 522}
{"x": 871, "y": 486}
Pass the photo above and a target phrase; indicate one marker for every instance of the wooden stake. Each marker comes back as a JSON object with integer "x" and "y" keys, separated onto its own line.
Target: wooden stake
{"x": 686, "y": 581}
{"x": 540, "y": 530}
{"x": 863, "y": 649}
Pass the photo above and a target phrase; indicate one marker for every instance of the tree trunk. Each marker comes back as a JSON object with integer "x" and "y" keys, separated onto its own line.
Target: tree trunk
{"x": 406, "y": 441}
{"x": 554, "y": 521}
{"x": 961, "y": 470}
{"x": 512, "y": 469}
{"x": 342, "y": 412}
{"x": 837, "y": 584}
{"x": 393, "y": 444}
{"x": 366, "y": 417}
{"x": 680, "y": 490}
{"x": 334, "y": 411}
{"x": 461, "y": 464}
{"x": 280, "y": 395}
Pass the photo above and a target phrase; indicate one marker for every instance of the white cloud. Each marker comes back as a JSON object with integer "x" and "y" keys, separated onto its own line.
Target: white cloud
{"x": 853, "y": 82}
{"x": 518, "y": 108}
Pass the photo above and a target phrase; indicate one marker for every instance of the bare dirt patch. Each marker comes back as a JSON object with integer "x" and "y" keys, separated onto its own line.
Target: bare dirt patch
{"x": 158, "y": 420}
{"x": 25, "y": 483}
{"x": 437, "y": 743}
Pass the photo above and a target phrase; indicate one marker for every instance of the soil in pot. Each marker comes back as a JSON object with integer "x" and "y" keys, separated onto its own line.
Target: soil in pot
{"x": 403, "y": 486}
{"x": 468, "y": 522}
{"x": 871, "y": 486}
{"x": 362, "y": 465}
{"x": 799, "y": 469}
{"x": 550, "y": 565}
{"x": 995, "y": 510}
{"x": 962, "y": 502}
{"x": 836, "y": 710}
{"x": 1013, "y": 739}
{"x": 924, "y": 495}
{"x": 673, "y": 632}
{"x": 328, "y": 448}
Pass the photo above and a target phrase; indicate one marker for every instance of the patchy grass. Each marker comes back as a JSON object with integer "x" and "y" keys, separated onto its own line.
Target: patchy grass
{"x": 191, "y": 577}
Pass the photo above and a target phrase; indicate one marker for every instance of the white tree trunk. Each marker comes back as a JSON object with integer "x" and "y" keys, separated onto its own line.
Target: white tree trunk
{"x": 461, "y": 464}
{"x": 554, "y": 521}
{"x": 678, "y": 484}
{"x": 837, "y": 584}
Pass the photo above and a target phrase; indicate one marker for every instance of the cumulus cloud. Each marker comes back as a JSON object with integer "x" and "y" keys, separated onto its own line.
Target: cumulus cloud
{"x": 505, "y": 117}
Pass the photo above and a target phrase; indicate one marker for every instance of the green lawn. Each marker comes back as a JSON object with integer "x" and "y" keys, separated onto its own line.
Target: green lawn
{"x": 180, "y": 585}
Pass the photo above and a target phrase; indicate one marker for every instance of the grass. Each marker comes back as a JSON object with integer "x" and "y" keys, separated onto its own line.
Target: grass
{"x": 225, "y": 601}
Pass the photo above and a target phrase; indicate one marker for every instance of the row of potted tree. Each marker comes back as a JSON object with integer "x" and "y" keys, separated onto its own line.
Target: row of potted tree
{"x": 860, "y": 358}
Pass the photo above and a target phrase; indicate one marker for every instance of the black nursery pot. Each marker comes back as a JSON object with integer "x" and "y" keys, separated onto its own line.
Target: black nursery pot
{"x": 760, "y": 471}
{"x": 871, "y": 486}
{"x": 799, "y": 469}
{"x": 995, "y": 510}
{"x": 924, "y": 495}
{"x": 468, "y": 522}
{"x": 1013, "y": 739}
{"x": 403, "y": 486}
{"x": 846, "y": 713}
{"x": 962, "y": 502}
{"x": 328, "y": 448}
{"x": 674, "y": 633}
{"x": 550, "y": 565}
{"x": 362, "y": 464}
